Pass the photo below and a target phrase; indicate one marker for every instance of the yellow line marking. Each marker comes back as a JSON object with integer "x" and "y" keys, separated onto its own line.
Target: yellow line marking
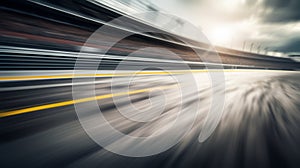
{"x": 174, "y": 72}
{"x": 77, "y": 75}
{"x": 70, "y": 102}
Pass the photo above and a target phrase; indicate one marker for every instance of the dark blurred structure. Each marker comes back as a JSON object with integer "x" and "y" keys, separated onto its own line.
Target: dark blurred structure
{"x": 65, "y": 26}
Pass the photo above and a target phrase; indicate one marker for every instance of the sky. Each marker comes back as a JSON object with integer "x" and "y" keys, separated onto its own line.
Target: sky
{"x": 273, "y": 26}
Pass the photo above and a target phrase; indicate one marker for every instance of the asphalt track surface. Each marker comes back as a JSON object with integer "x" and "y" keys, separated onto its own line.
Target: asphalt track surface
{"x": 259, "y": 127}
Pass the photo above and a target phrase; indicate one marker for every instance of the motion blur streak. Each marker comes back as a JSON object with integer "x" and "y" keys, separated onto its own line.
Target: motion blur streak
{"x": 71, "y": 102}
{"x": 259, "y": 127}
{"x": 109, "y": 74}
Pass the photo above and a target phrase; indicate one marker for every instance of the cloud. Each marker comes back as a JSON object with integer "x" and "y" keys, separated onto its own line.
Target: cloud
{"x": 282, "y": 11}
{"x": 290, "y": 46}
{"x": 274, "y": 24}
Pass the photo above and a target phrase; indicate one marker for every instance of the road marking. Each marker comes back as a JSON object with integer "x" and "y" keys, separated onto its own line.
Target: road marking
{"x": 71, "y": 102}
{"x": 173, "y": 72}
{"x": 66, "y": 76}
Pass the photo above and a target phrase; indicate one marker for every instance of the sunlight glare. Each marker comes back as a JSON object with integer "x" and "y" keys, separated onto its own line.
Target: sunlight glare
{"x": 221, "y": 35}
